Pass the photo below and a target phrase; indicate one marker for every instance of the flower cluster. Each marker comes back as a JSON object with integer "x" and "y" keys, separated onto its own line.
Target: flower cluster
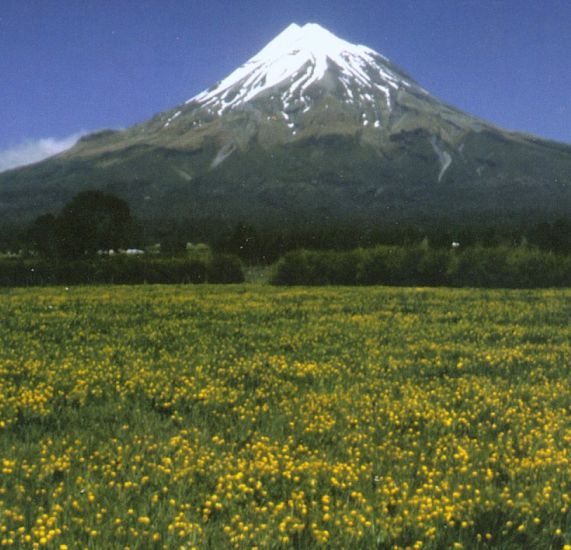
{"x": 254, "y": 417}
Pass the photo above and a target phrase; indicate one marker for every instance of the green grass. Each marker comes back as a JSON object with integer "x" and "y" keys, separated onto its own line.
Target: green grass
{"x": 244, "y": 416}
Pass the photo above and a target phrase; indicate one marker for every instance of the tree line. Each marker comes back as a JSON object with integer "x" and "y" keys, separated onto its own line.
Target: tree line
{"x": 476, "y": 266}
{"x": 94, "y": 222}
{"x": 74, "y": 247}
{"x": 266, "y": 245}
{"x": 82, "y": 245}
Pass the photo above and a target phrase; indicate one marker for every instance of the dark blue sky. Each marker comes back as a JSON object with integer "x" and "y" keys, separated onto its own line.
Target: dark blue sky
{"x": 78, "y": 65}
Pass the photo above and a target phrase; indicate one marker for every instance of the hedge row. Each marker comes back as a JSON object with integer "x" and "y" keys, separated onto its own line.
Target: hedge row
{"x": 392, "y": 265}
{"x": 219, "y": 269}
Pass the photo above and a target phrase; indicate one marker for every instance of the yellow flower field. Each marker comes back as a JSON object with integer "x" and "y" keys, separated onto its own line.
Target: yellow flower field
{"x": 255, "y": 417}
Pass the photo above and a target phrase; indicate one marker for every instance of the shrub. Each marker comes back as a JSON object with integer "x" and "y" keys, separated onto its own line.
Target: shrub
{"x": 374, "y": 267}
{"x": 433, "y": 267}
{"x": 393, "y": 265}
{"x": 225, "y": 269}
{"x": 121, "y": 270}
{"x": 293, "y": 269}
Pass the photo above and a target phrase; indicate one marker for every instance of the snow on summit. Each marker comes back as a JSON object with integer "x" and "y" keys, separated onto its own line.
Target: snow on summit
{"x": 299, "y": 58}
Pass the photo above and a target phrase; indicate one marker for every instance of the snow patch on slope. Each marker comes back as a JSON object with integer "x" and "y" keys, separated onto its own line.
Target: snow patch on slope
{"x": 444, "y": 157}
{"x": 170, "y": 119}
{"x": 223, "y": 154}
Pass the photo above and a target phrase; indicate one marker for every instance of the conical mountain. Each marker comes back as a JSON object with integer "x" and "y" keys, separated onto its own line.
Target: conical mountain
{"x": 311, "y": 129}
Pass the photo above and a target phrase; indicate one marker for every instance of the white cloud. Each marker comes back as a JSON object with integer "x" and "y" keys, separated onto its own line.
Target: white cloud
{"x": 31, "y": 151}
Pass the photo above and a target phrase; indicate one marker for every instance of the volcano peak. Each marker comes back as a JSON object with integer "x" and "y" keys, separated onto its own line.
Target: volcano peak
{"x": 300, "y": 58}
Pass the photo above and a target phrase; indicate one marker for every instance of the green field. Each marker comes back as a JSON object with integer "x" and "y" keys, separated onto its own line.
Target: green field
{"x": 250, "y": 416}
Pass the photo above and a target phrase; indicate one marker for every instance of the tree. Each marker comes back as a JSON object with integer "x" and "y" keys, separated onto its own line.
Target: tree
{"x": 245, "y": 242}
{"x": 93, "y": 221}
{"x": 42, "y": 235}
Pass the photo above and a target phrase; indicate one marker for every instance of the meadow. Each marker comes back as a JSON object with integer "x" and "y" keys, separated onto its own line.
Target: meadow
{"x": 248, "y": 416}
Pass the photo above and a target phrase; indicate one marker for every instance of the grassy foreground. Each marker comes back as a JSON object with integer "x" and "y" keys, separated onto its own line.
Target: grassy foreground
{"x": 249, "y": 416}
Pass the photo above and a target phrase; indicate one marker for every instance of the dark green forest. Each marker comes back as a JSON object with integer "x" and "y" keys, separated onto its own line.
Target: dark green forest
{"x": 93, "y": 238}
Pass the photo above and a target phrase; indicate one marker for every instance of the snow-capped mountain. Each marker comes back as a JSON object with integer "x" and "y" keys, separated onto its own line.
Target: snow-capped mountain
{"x": 315, "y": 129}
{"x": 299, "y": 59}
{"x": 312, "y": 82}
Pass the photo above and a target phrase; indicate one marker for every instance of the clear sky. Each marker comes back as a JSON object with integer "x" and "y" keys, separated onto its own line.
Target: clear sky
{"x": 71, "y": 66}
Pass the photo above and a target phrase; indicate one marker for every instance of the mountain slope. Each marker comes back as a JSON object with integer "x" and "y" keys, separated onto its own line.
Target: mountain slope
{"x": 310, "y": 129}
